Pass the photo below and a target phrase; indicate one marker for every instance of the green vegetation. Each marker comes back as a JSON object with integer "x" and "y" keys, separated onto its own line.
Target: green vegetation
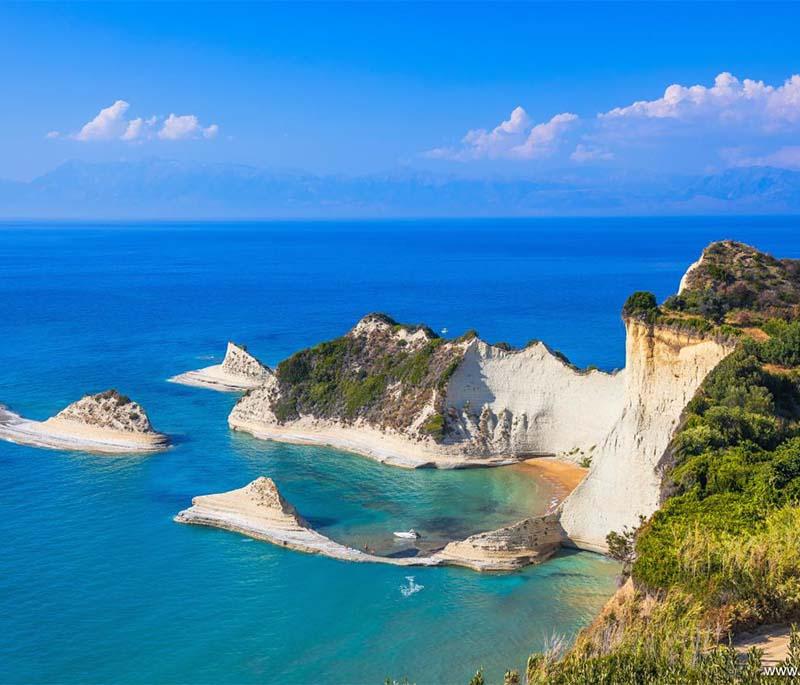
{"x": 723, "y": 552}
{"x": 641, "y": 304}
{"x": 638, "y": 665}
{"x": 737, "y": 282}
{"x": 434, "y": 426}
{"x": 350, "y": 378}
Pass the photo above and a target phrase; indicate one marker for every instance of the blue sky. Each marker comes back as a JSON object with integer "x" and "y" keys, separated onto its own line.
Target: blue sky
{"x": 358, "y": 88}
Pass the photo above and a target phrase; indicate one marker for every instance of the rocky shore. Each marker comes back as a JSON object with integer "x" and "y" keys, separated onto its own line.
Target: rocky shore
{"x": 259, "y": 511}
{"x": 107, "y": 422}
{"x": 238, "y": 372}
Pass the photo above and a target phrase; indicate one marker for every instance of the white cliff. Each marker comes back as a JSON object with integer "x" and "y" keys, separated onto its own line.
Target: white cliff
{"x": 663, "y": 370}
{"x": 106, "y": 423}
{"x": 496, "y": 407}
{"x": 529, "y": 402}
{"x": 239, "y": 371}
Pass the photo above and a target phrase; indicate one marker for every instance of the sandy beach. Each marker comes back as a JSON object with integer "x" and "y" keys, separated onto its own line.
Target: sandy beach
{"x": 563, "y": 476}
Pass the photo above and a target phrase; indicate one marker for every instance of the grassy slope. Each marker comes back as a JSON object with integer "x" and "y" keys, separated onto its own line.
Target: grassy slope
{"x": 723, "y": 553}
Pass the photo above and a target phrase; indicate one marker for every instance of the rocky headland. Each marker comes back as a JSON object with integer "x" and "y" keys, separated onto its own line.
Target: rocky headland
{"x": 238, "y": 372}
{"x": 407, "y": 397}
{"x": 107, "y": 422}
{"x": 258, "y": 510}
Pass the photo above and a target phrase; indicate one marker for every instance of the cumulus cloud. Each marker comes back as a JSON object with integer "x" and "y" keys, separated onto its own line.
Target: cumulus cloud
{"x": 513, "y": 138}
{"x": 586, "y": 153}
{"x": 112, "y": 123}
{"x": 544, "y": 138}
{"x": 185, "y": 127}
{"x": 688, "y": 127}
{"x": 729, "y": 100}
{"x": 52, "y": 134}
{"x": 109, "y": 123}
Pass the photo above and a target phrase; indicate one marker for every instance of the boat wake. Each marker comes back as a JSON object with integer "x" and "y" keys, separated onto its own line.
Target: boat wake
{"x": 411, "y": 588}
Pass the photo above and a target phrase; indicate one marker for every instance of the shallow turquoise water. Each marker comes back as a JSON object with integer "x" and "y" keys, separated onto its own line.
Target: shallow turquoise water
{"x": 98, "y": 584}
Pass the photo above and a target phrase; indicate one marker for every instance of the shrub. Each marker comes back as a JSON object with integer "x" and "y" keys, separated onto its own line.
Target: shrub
{"x": 641, "y": 304}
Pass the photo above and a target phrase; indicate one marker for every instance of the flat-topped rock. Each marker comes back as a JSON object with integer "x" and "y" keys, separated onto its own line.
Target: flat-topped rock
{"x": 526, "y": 542}
{"x": 259, "y": 511}
{"x": 107, "y": 422}
{"x": 238, "y": 372}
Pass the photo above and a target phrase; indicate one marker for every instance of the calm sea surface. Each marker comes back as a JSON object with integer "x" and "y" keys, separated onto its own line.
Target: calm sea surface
{"x": 97, "y": 584}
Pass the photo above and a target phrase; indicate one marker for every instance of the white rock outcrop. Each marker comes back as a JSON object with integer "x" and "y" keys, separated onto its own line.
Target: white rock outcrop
{"x": 107, "y": 422}
{"x": 663, "y": 370}
{"x": 529, "y": 402}
{"x": 258, "y": 510}
{"x": 239, "y": 371}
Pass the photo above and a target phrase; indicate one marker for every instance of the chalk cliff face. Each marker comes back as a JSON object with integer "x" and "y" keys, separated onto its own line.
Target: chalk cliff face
{"x": 664, "y": 367}
{"x": 404, "y": 396}
{"x": 239, "y": 371}
{"x": 239, "y": 362}
{"x": 529, "y": 402}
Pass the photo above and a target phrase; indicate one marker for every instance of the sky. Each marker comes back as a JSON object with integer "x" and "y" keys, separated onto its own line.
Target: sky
{"x": 478, "y": 89}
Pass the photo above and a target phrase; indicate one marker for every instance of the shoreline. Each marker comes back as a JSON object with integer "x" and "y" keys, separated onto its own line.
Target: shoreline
{"x": 563, "y": 476}
{"x": 215, "y": 377}
{"x": 59, "y": 434}
{"x": 258, "y": 510}
{"x": 388, "y": 449}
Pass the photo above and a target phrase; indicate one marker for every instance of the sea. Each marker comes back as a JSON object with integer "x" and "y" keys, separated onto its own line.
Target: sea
{"x": 99, "y": 585}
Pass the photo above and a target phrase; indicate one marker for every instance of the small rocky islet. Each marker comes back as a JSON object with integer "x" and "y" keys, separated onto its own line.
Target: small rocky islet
{"x": 107, "y": 422}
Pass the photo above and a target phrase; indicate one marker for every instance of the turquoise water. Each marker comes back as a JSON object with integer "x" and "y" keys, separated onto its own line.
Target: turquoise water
{"x": 97, "y": 583}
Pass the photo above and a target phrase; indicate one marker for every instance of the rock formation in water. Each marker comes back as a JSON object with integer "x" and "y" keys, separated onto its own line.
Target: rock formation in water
{"x": 106, "y": 422}
{"x": 239, "y": 371}
{"x": 407, "y": 397}
{"x": 526, "y": 542}
{"x": 258, "y": 510}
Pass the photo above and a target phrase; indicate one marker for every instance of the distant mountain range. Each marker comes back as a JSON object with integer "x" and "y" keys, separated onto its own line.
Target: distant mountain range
{"x": 158, "y": 188}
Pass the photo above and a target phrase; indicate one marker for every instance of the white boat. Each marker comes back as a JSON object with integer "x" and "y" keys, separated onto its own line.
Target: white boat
{"x": 407, "y": 534}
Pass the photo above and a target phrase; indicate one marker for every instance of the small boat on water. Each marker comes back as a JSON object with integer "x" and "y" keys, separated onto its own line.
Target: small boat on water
{"x": 409, "y": 534}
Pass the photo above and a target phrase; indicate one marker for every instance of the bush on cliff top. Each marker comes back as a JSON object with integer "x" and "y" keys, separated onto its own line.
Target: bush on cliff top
{"x": 349, "y": 377}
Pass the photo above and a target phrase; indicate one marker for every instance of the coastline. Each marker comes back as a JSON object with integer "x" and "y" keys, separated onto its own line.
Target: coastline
{"x": 59, "y": 434}
{"x": 258, "y": 510}
{"x": 385, "y": 448}
{"x": 563, "y": 476}
{"x": 215, "y": 378}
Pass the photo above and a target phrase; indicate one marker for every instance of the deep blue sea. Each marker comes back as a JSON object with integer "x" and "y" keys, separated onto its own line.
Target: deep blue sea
{"x": 98, "y": 585}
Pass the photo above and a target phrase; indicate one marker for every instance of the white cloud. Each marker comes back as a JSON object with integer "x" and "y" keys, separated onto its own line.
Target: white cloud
{"x": 729, "y": 101}
{"x": 786, "y": 157}
{"x": 52, "y": 134}
{"x": 185, "y": 127}
{"x": 514, "y": 138}
{"x": 587, "y": 153}
{"x": 544, "y": 138}
{"x": 111, "y": 123}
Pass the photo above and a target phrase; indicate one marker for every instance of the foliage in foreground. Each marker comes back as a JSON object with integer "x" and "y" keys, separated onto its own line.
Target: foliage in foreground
{"x": 723, "y": 553}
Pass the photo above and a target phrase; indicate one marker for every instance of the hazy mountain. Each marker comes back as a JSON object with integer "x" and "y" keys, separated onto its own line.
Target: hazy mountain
{"x": 170, "y": 189}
